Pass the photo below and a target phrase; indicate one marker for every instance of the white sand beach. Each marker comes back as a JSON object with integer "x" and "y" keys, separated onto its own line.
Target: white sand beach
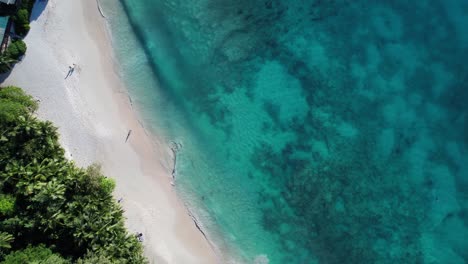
{"x": 94, "y": 115}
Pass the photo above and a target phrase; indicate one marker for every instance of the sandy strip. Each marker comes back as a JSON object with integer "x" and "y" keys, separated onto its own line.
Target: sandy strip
{"x": 93, "y": 113}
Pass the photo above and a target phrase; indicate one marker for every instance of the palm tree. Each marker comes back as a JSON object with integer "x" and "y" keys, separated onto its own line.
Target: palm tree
{"x": 5, "y": 240}
{"x": 6, "y": 64}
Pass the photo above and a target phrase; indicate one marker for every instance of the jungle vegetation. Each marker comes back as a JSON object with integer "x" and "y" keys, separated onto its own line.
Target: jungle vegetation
{"x": 20, "y": 15}
{"x": 52, "y": 211}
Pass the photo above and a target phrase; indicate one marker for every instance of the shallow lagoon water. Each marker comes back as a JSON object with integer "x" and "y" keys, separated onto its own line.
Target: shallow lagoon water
{"x": 310, "y": 131}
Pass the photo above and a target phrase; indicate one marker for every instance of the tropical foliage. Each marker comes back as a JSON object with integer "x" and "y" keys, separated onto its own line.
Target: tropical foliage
{"x": 12, "y": 55}
{"x": 16, "y": 49}
{"x": 39, "y": 254}
{"x": 27, "y": 4}
{"x": 6, "y": 63}
{"x": 21, "y": 18}
{"x": 51, "y": 211}
{"x": 21, "y": 22}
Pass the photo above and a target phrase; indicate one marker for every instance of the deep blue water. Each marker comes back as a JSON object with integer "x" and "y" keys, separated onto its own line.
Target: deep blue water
{"x": 312, "y": 131}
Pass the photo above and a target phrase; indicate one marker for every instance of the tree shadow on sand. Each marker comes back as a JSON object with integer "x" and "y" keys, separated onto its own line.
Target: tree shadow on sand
{"x": 4, "y": 76}
{"x": 38, "y": 8}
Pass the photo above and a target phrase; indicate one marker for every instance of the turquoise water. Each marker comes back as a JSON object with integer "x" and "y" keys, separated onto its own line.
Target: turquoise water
{"x": 311, "y": 131}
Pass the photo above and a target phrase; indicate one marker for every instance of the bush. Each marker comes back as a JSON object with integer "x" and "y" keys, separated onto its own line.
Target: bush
{"x": 7, "y": 204}
{"x": 21, "y": 22}
{"x": 39, "y": 254}
{"x": 92, "y": 258}
{"x": 107, "y": 185}
{"x": 16, "y": 49}
{"x": 27, "y": 4}
{"x": 14, "y": 103}
{"x": 5, "y": 242}
{"x": 66, "y": 208}
{"x": 6, "y": 63}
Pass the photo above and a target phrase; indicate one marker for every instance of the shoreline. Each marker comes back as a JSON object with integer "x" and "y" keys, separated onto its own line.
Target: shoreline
{"x": 94, "y": 120}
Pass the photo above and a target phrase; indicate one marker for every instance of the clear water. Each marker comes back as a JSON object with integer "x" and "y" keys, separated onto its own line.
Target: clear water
{"x": 312, "y": 131}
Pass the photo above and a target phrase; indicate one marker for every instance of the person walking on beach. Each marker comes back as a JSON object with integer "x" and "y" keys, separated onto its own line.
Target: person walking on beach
{"x": 128, "y": 135}
{"x": 71, "y": 69}
{"x": 139, "y": 236}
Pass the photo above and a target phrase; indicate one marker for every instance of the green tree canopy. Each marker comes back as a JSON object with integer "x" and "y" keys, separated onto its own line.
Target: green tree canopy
{"x": 14, "y": 103}
{"x": 47, "y": 200}
{"x": 34, "y": 255}
{"x": 7, "y": 204}
{"x": 6, "y": 63}
{"x": 16, "y": 49}
{"x": 21, "y": 22}
{"x": 5, "y": 241}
